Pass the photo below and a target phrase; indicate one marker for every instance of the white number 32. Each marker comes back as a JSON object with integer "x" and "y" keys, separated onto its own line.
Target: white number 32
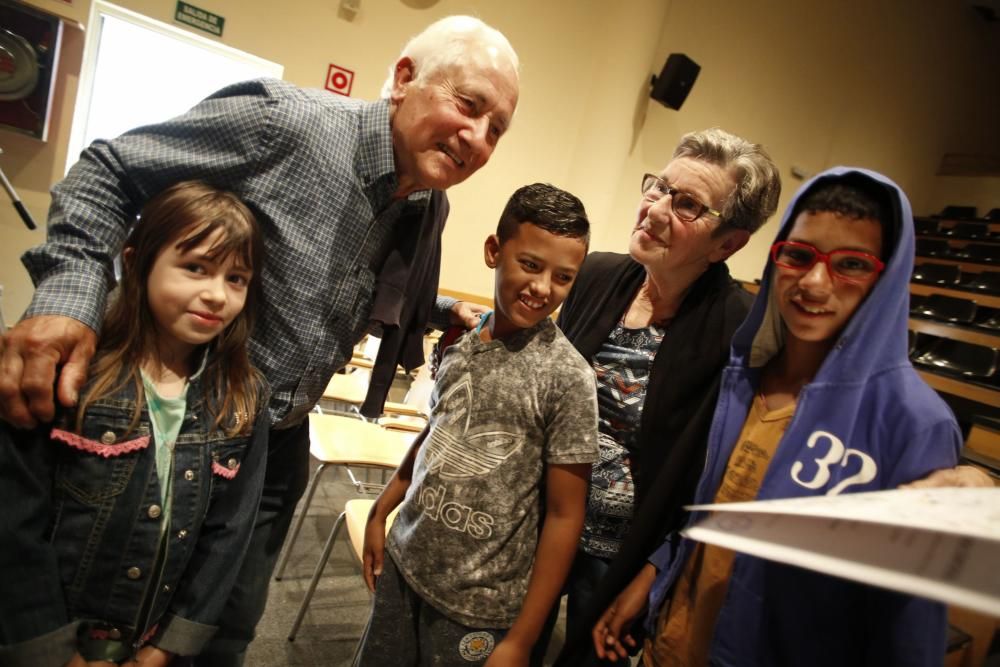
{"x": 836, "y": 454}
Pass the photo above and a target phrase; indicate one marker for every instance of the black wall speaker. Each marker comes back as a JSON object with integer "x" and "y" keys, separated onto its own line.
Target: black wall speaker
{"x": 671, "y": 88}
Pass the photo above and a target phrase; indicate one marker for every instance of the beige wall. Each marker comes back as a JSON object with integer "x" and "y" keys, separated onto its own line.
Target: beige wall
{"x": 888, "y": 84}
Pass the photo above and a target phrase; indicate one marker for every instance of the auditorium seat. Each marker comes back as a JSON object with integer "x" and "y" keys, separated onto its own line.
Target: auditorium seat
{"x": 970, "y": 230}
{"x": 937, "y": 274}
{"x": 946, "y": 309}
{"x": 926, "y": 226}
{"x": 932, "y": 248}
{"x": 983, "y": 253}
{"x": 959, "y": 358}
{"x": 987, "y": 318}
{"x": 954, "y": 212}
{"x": 985, "y": 281}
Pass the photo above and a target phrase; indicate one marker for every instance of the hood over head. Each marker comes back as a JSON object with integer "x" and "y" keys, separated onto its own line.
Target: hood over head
{"x": 876, "y": 336}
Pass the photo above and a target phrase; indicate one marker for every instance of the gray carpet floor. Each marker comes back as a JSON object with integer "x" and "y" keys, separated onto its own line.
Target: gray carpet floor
{"x": 339, "y": 609}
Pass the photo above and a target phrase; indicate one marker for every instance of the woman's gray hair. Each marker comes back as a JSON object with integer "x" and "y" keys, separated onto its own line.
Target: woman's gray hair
{"x": 454, "y": 40}
{"x": 758, "y": 183}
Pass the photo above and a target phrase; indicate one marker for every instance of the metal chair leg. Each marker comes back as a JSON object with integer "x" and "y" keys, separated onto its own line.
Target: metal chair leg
{"x": 324, "y": 557}
{"x": 313, "y": 483}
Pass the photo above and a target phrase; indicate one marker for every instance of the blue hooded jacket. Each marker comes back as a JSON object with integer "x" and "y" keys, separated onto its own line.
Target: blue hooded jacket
{"x": 868, "y": 405}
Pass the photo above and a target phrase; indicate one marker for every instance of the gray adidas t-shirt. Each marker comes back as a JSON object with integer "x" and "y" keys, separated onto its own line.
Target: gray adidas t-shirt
{"x": 465, "y": 535}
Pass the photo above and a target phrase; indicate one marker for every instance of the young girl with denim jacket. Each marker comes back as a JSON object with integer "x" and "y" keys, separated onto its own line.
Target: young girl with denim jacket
{"x": 124, "y": 522}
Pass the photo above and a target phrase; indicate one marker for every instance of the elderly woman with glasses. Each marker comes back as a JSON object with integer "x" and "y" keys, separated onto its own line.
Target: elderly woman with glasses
{"x": 656, "y": 325}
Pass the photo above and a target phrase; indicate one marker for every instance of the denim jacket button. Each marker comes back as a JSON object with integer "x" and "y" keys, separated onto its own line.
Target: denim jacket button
{"x": 189, "y": 475}
{"x": 133, "y": 573}
{"x": 108, "y": 438}
{"x": 181, "y": 534}
{"x": 114, "y": 633}
{"x": 232, "y": 463}
{"x": 154, "y": 511}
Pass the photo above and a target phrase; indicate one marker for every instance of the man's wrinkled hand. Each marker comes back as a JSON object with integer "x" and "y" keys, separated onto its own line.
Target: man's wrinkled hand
{"x": 33, "y": 354}
{"x": 467, "y": 314}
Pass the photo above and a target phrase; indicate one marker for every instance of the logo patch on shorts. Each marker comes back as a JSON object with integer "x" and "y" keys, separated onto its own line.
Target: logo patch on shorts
{"x": 476, "y": 646}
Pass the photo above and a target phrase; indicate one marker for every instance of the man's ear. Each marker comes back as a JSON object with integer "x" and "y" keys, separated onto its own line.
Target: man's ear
{"x": 731, "y": 241}
{"x": 491, "y": 250}
{"x": 403, "y": 74}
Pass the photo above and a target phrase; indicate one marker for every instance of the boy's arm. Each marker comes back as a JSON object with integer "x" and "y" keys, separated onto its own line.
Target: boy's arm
{"x": 566, "y": 499}
{"x": 612, "y": 634}
{"x": 392, "y": 495}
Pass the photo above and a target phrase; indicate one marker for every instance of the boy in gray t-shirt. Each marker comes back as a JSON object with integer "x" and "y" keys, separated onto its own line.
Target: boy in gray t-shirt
{"x": 474, "y": 560}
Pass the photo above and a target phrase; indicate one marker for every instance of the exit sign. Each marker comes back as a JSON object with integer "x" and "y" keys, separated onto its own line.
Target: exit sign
{"x": 199, "y": 18}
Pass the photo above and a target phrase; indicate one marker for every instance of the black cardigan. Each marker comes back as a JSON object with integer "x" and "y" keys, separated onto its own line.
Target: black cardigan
{"x": 680, "y": 398}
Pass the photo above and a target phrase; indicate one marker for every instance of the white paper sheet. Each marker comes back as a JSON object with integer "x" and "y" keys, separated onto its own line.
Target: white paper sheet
{"x": 942, "y": 544}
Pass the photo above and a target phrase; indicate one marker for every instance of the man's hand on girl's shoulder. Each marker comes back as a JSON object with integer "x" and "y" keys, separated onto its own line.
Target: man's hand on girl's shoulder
{"x": 30, "y": 359}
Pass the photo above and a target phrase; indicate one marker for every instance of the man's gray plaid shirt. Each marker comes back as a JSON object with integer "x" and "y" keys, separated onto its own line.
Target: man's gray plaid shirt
{"x": 318, "y": 171}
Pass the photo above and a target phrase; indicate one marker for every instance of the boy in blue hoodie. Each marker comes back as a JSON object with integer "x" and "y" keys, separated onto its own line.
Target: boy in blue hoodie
{"x": 819, "y": 398}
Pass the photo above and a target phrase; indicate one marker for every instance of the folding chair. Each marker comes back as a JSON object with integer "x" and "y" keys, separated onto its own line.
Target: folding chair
{"x": 355, "y": 516}
{"x": 339, "y": 440}
{"x": 347, "y": 392}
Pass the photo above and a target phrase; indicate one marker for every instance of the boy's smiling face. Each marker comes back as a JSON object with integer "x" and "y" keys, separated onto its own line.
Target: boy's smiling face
{"x": 535, "y": 270}
{"x": 815, "y": 305}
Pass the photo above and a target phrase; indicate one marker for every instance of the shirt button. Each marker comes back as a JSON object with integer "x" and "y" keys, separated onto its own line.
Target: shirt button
{"x": 133, "y": 573}
{"x": 232, "y": 463}
{"x": 154, "y": 511}
{"x": 189, "y": 475}
{"x": 181, "y": 534}
{"x": 114, "y": 633}
{"x": 166, "y": 588}
{"x": 108, "y": 438}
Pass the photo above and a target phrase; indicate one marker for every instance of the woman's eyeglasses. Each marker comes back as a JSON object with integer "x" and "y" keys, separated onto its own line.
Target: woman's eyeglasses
{"x": 850, "y": 265}
{"x": 684, "y": 206}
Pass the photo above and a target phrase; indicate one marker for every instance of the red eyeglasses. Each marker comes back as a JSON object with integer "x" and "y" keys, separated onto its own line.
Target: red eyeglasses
{"x": 850, "y": 265}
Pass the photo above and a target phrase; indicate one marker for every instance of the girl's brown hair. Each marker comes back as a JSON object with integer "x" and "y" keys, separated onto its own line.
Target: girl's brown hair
{"x": 183, "y": 215}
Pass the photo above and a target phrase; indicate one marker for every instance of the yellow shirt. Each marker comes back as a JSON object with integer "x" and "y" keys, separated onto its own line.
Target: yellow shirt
{"x": 685, "y": 626}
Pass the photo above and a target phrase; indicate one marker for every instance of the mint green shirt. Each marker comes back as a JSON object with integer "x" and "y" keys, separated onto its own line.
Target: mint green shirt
{"x": 166, "y": 415}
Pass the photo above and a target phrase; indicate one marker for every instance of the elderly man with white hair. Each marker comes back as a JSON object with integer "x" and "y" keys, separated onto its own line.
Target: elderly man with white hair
{"x": 350, "y": 198}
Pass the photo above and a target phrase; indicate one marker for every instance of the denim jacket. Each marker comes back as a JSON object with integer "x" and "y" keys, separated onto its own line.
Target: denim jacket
{"x": 87, "y": 507}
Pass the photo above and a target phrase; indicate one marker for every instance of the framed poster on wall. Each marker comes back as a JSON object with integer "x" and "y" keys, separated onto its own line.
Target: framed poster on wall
{"x": 29, "y": 53}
